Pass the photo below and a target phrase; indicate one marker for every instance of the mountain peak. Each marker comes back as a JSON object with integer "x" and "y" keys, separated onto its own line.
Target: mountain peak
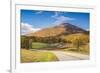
{"x": 65, "y": 24}
{"x": 61, "y": 29}
{"x": 71, "y": 26}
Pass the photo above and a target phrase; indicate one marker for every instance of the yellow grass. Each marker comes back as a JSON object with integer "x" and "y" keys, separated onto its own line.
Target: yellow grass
{"x": 36, "y": 56}
{"x": 85, "y": 49}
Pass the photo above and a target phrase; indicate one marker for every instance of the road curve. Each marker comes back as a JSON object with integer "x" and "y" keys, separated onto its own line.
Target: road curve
{"x": 65, "y": 56}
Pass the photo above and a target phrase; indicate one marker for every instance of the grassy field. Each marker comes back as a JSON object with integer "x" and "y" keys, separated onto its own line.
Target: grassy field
{"x": 28, "y": 56}
{"x": 38, "y": 45}
{"x": 83, "y": 49}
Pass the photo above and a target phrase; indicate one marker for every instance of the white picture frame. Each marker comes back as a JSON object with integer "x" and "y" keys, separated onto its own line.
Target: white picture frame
{"x": 16, "y": 66}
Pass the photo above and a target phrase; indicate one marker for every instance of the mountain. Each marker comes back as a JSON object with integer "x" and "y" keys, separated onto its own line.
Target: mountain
{"x": 61, "y": 29}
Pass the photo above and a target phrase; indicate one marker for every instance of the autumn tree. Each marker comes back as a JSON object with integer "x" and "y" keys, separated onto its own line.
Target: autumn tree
{"x": 78, "y": 42}
{"x": 24, "y": 42}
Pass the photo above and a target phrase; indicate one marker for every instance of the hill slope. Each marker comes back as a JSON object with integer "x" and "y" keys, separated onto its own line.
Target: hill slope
{"x": 61, "y": 29}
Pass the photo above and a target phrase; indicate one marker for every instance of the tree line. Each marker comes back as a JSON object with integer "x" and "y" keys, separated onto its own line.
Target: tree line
{"x": 76, "y": 41}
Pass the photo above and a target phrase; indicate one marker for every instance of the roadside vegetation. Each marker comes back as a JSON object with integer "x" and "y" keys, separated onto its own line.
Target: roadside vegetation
{"x": 28, "y": 56}
{"x": 31, "y": 47}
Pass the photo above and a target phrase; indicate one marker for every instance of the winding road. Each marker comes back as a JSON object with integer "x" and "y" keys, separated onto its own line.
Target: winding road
{"x": 65, "y": 56}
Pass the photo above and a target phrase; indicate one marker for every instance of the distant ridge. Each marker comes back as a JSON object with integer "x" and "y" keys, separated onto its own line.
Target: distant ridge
{"x": 61, "y": 29}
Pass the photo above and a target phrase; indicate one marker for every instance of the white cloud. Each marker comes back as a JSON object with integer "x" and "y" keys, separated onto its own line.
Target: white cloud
{"x": 55, "y": 14}
{"x": 62, "y": 19}
{"x": 87, "y": 29}
{"x": 59, "y": 18}
{"x": 39, "y": 12}
{"x": 27, "y": 28}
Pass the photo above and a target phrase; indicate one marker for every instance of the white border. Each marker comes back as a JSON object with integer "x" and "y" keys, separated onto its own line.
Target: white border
{"x": 17, "y": 66}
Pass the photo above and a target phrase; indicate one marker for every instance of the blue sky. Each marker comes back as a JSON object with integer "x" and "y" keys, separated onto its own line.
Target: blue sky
{"x": 34, "y": 20}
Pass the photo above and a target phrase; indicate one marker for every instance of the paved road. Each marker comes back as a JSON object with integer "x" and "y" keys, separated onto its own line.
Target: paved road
{"x": 65, "y": 56}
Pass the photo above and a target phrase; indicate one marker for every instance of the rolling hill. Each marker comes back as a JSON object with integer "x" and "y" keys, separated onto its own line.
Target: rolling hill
{"x": 58, "y": 30}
